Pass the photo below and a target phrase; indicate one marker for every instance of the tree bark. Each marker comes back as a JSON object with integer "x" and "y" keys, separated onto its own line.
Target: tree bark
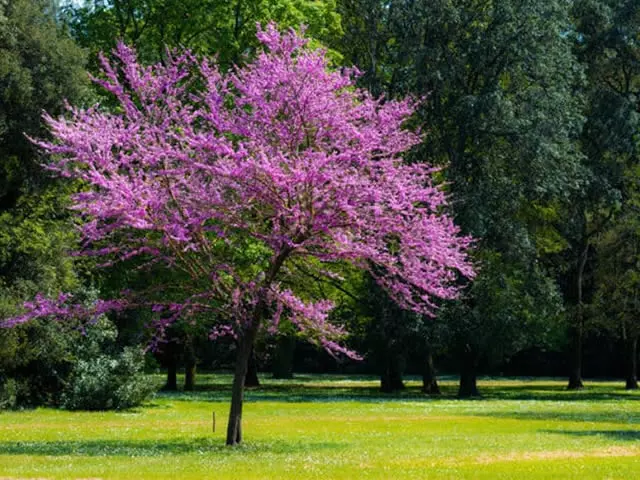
{"x": 190, "y": 376}
{"x": 245, "y": 347}
{"x": 189, "y": 367}
{"x": 575, "y": 374}
{"x": 632, "y": 363}
{"x": 283, "y": 357}
{"x": 468, "y": 373}
{"x": 577, "y": 332}
{"x": 172, "y": 377}
{"x": 171, "y": 359}
{"x": 429, "y": 379}
{"x": 391, "y": 378}
{"x": 252, "y": 380}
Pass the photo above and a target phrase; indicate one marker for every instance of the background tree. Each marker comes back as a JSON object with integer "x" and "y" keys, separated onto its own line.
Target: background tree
{"x": 606, "y": 40}
{"x": 503, "y": 114}
{"x": 224, "y": 29}
{"x": 40, "y": 66}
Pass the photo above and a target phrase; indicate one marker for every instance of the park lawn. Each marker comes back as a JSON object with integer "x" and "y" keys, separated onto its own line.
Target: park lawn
{"x": 338, "y": 428}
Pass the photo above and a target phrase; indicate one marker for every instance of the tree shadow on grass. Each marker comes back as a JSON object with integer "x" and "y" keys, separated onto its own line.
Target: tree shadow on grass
{"x": 620, "y": 417}
{"x": 157, "y": 448}
{"x": 302, "y": 393}
{"x": 524, "y": 391}
{"x": 627, "y": 435}
{"x": 301, "y": 390}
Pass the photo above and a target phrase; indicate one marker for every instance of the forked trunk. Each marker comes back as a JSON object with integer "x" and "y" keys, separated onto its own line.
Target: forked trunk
{"x": 429, "y": 379}
{"x": 468, "y": 373}
{"x": 632, "y": 363}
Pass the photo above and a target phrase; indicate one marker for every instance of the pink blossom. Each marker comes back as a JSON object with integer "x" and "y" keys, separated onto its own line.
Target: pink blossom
{"x": 232, "y": 177}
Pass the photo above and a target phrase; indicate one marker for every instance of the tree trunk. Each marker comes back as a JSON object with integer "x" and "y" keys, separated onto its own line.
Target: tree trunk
{"x": 632, "y": 363}
{"x": 391, "y": 378}
{"x": 190, "y": 376}
{"x": 245, "y": 347}
{"x": 468, "y": 373}
{"x": 252, "y": 380}
{"x": 575, "y": 374}
{"x": 429, "y": 379}
{"x": 577, "y": 332}
{"x": 189, "y": 367}
{"x": 172, "y": 366}
{"x": 172, "y": 377}
{"x": 283, "y": 357}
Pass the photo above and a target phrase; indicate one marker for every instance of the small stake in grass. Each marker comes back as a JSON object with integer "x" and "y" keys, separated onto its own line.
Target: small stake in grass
{"x": 214, "y": 422}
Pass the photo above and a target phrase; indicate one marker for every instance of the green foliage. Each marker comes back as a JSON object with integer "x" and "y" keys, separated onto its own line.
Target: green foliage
{"x": 40, "y": 67}
{"x": 226, "y": 29}
{"x": 35, "y": 362}
{"x": 50, "y": 363}
{"x": 105, "y": 382}
{"x": 502, "y": 115}
{"x": 104, "y": 376}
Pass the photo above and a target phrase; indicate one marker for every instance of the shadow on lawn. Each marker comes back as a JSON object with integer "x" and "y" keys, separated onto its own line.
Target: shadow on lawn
{"x": 629, "y": 435}
{"x": 156, "y": 448}
{"x": 300, "y": 390}
{"x": 619, "y": 417}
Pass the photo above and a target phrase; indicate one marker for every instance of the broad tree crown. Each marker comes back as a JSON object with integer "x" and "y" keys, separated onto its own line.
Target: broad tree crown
{"x": 236, "y": 179}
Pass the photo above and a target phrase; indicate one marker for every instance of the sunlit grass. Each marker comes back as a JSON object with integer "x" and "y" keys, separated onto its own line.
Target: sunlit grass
{"x": 338, "y": 428}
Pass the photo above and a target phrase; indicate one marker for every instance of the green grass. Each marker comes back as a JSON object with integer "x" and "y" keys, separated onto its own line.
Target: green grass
{"x": 338, "y": 428}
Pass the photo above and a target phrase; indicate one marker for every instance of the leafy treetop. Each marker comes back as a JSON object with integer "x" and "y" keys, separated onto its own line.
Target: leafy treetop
{"x": 236, "y": 179}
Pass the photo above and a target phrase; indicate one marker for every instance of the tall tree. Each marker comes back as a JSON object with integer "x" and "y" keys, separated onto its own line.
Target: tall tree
{"x": 40, "y": 66}
{"x": 503, "y": 112}
{"x": 240, "y": 178}
{"x": 606, "y": 41}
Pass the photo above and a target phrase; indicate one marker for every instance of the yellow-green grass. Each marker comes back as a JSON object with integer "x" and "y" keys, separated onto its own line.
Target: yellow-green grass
{"x": 338, "y": 428}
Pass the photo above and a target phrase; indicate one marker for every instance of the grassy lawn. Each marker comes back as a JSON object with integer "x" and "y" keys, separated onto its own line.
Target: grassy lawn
{"x": 338, "y": 428}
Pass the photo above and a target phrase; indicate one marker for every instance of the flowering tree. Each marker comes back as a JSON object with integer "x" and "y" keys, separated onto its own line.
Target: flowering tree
{"x": 237, "y": 179}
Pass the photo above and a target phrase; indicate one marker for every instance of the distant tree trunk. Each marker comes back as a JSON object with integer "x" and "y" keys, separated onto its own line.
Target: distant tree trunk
{"x": 190, "y": 368}
{"x": 172, "y": 376}
{"x": 391, "y": 378}
{"x": 283, "y": 356}
{"x": 575, "y": 374}
{"x": 171, "y": 359}
{"x": 632, "y": 362}
{"x": 577, "y": 331}
{"x": 245, "y": 347}
{"x": 252, "y": 380}
{"x": 429, "y": 379}
{"x": 468, "y": 373}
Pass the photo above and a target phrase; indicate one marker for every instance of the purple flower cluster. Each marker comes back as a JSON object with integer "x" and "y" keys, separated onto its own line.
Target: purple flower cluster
{"x": 284, "y": 158}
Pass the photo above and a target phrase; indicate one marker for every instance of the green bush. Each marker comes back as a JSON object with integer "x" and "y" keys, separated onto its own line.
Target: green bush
{"x": 61, "y": 365}
{"x": 8, "y": 393}
{"x": 107, "y": 382}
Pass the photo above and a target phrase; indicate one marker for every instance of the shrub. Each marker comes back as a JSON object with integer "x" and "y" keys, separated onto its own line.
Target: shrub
{"x": 107, "y": 382}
